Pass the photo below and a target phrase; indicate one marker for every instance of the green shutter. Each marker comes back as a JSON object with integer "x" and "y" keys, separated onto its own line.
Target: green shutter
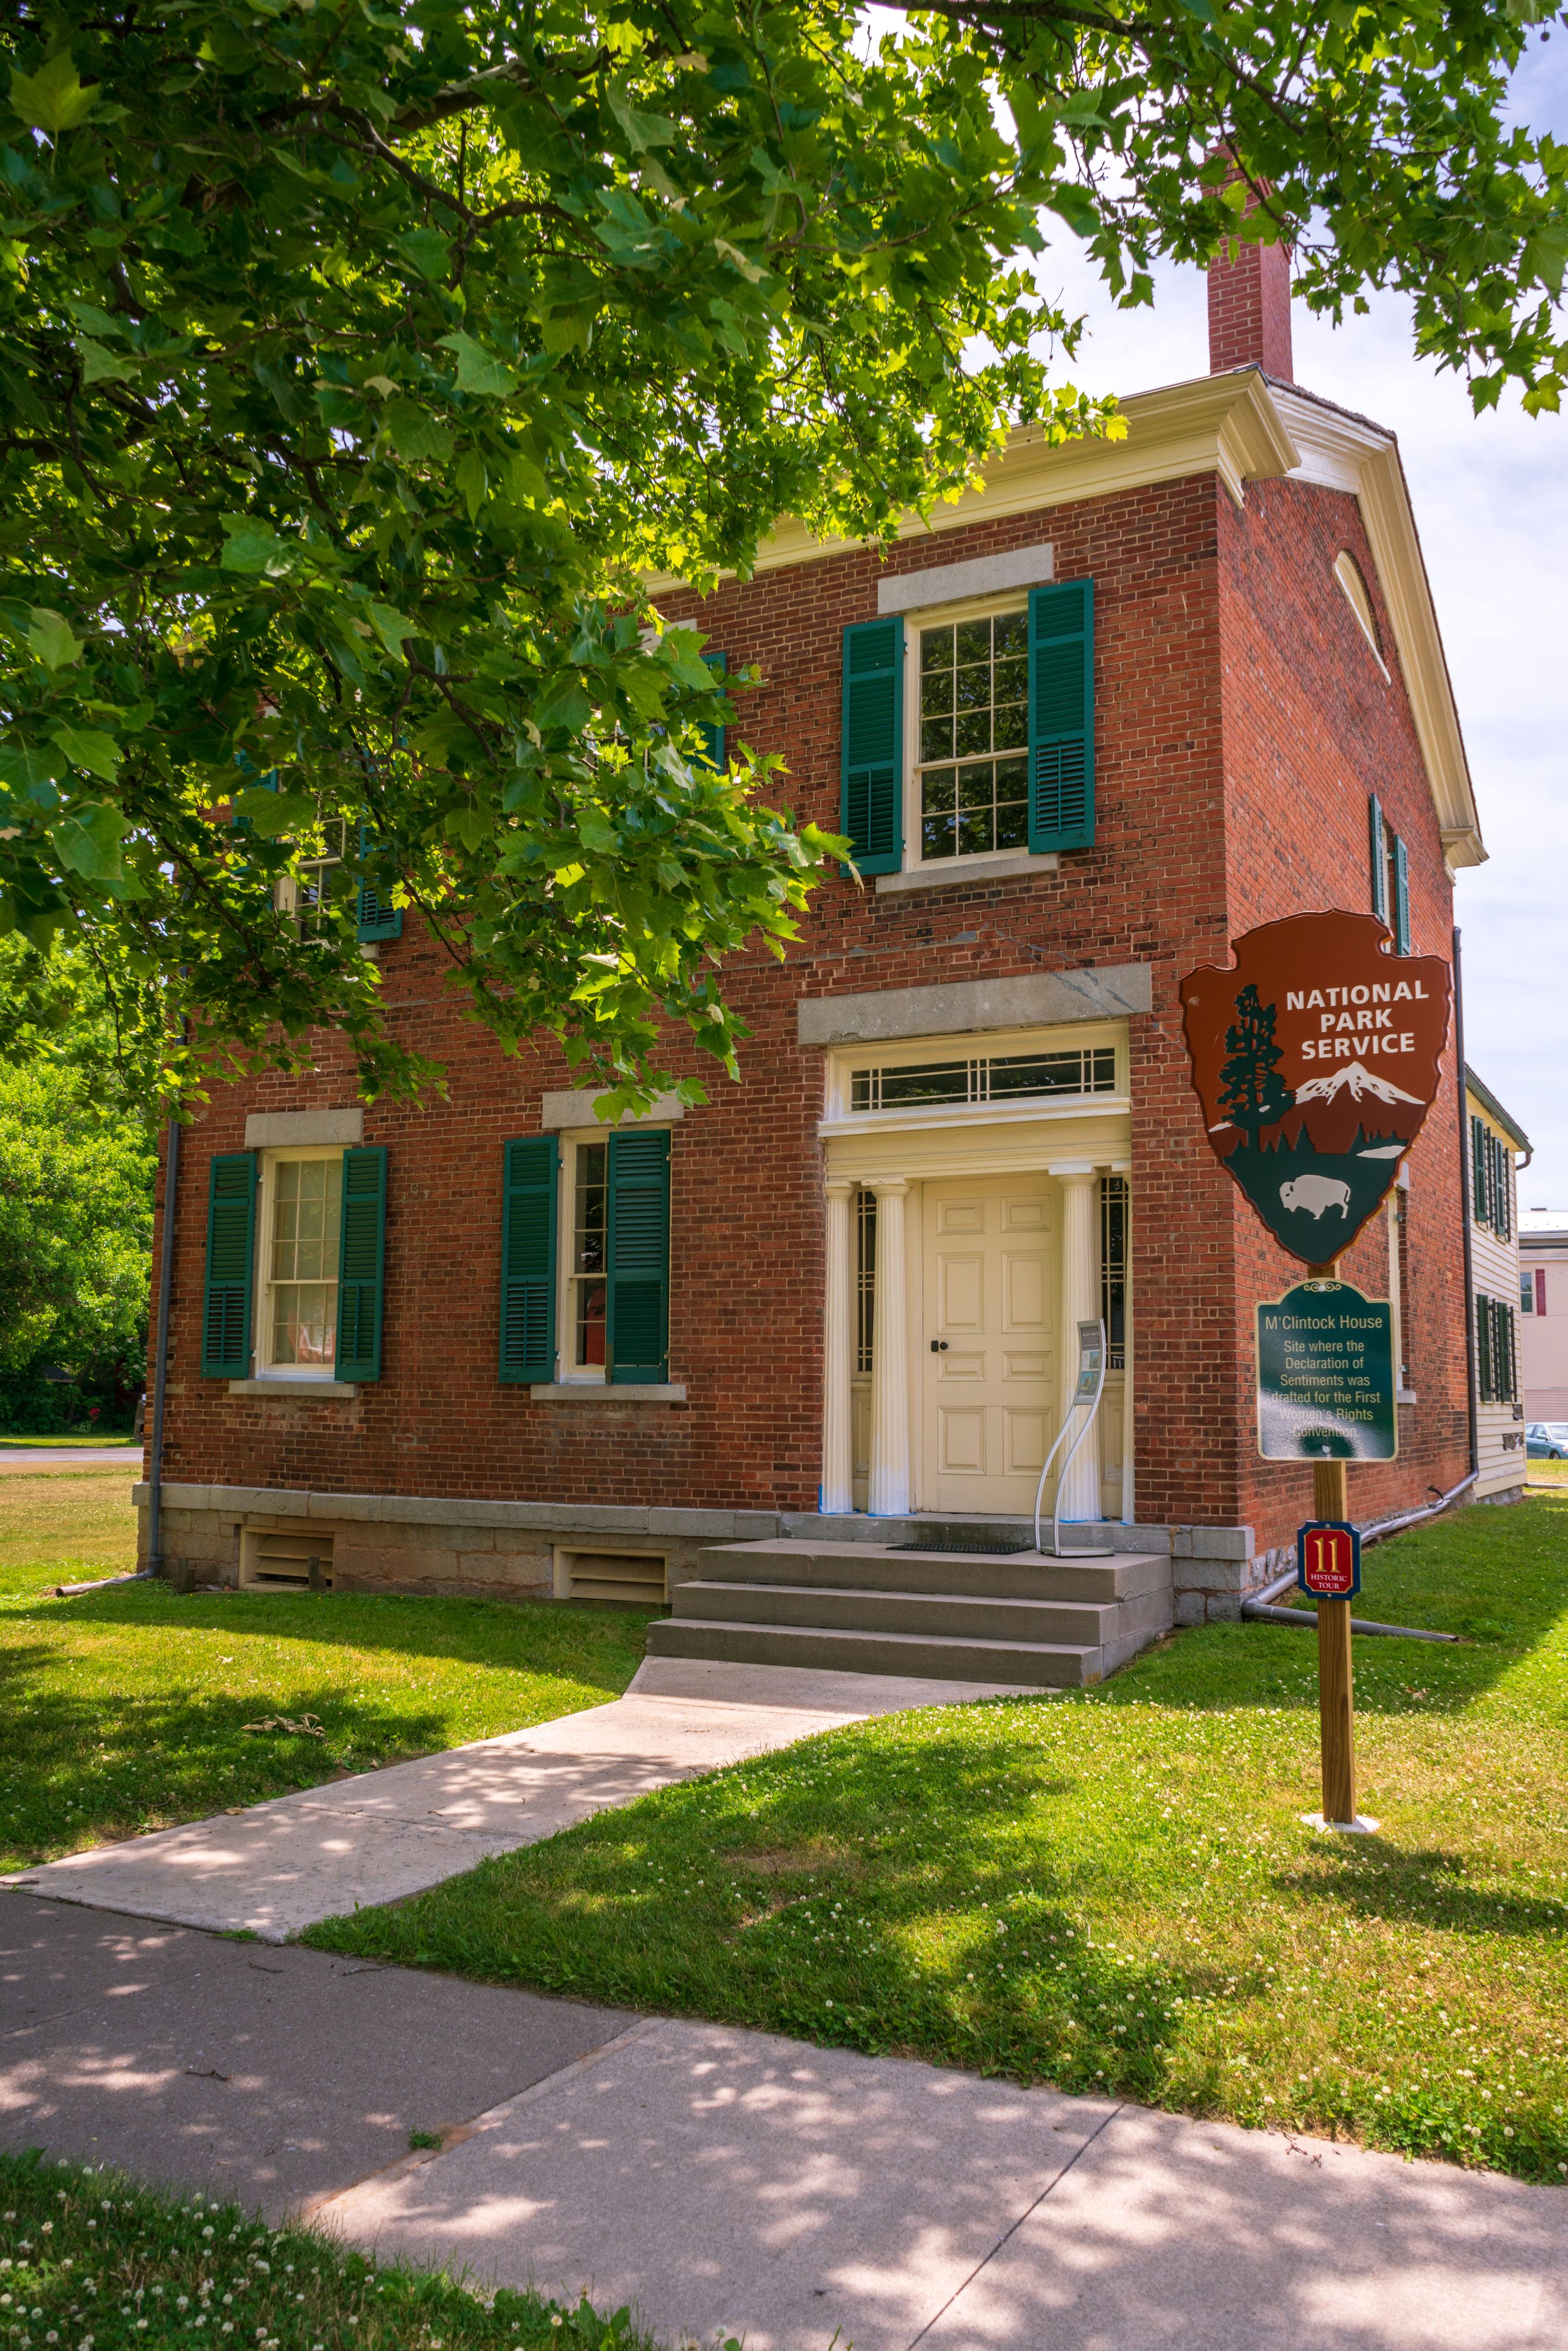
{"x": 528, "y": 1258}
{"x": 231, "y": 1266}
{"x": 1061, "y": 715}
{"x": 1483, "y": 1348}
{"x": 1401, "y": 897}
{"x": 1377, "y": 848}
{"x": 1479, "y": 1168}
{"x": 1505, "y": 1190}
{"x": 361, "y": 1252}
{"x": 870, "y": 802}
{"x": 378, "y": 917}
{"x": 713, "y": 736}
{"x": 637, "y": 1255}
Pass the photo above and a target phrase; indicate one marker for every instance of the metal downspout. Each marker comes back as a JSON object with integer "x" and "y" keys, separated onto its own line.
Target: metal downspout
{"x": 161, "y": 1356}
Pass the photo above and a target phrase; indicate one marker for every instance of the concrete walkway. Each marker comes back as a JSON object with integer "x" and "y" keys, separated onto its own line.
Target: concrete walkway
{"x": 734, "y": 2182}
{"x": 73, "y": 1457}
{"x": 278, "y": 1867}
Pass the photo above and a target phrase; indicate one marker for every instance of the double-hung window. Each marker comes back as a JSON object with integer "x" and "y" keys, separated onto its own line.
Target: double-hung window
{"x": 301, "y": 1200}
{"x": 973, "y": 765}
{"x": 968, "y": 732}
{"x": 295, "y": 1248}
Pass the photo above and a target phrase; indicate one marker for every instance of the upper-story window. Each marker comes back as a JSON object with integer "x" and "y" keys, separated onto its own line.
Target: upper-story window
{"x": 968, "y": 732}
{"x": 973, "y": 766}
{"x": 1492, "y": 1179}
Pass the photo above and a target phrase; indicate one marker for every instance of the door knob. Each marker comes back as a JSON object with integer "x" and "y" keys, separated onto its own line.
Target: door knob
{"x": 938, "y": 1346}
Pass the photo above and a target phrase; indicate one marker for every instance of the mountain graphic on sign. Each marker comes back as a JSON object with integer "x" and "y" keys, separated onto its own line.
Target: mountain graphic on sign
{"x": 1356, "y": 1080}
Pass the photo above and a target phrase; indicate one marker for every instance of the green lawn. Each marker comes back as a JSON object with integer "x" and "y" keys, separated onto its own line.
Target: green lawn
{"x": 85, "y": 2249}
{"x": 124, "y": 1709}
{"x": 1113, "y": 1890}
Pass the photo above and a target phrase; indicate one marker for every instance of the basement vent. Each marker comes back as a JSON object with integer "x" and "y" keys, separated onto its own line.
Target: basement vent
{"x": 628, "y": 1576}
{"x": 281, "y": 1563}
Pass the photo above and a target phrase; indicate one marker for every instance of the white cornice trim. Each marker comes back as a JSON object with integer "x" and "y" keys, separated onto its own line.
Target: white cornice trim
{"x": 1346, "y": 452}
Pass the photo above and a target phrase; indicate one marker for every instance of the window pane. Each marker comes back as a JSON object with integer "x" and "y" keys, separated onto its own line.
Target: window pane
{"x": 305, "y": 1322}
{"x": 589, "y": 1322}
{"x": 588, "y": 1251}
{"x": 936, "y": 739}
{"x": 936, "y": 791}
{"x": 974, "y": 641}
{"x": 1010, "y": 635}
{"x": 935, "y": 648}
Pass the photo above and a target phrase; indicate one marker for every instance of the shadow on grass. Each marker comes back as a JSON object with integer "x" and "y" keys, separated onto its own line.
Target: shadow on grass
{"x": 529, "y": 1636}
{"x": 74, "y": 1770}
{"x": 1381, "y": 1881}
{"x": 1497, "y": 1577}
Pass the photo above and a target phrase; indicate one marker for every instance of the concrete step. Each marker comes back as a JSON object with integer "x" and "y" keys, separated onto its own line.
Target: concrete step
{"x": 946, "y": 1615}
{"x": 863, "y": 1566}
{"x": 1035, "y": 1664}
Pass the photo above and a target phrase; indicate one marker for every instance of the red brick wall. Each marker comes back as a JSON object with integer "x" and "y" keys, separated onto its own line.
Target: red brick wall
{"x": 1182, "y": 655}
{"x": 1312, "y": 729}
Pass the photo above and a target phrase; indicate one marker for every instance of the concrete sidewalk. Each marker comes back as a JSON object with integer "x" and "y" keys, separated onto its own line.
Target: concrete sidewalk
{"x": 278, "y": 1867}
{"x": 728, "y": 2180}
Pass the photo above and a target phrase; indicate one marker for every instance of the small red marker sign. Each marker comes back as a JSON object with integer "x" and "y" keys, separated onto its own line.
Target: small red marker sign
{"x": 1328, "y": 1560}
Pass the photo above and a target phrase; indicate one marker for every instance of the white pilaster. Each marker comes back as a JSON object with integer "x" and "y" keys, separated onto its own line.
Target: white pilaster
{"x": 1079, "y": 1294}
{"x": 838, "y": 1493}
{"x": 889, "y": 1491}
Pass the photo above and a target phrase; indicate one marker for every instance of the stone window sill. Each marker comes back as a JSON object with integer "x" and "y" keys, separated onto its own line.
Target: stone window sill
{"x": 980, "y": 868}
{"x": 605, "y": 1392}
{"x": 296, "y": 1391}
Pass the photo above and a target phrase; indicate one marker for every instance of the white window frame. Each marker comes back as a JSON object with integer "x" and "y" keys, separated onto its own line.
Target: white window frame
{"x": 568, "y": 1372}
{"x": 838, "y": 1118}
{"x": 941, "y": 616}
{"x": 265, "y": 1201}
{"x": 289, "y": 898}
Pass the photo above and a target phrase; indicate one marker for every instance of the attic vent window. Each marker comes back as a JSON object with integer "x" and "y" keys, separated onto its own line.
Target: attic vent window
{"x": 989, "y": 1077}
{"x": 1347, "y": 572}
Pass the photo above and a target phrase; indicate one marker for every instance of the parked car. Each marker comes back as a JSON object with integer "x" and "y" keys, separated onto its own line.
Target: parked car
{"x": 1546, "y": 1440}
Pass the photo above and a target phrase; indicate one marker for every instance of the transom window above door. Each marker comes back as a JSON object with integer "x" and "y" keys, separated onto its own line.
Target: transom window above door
{"x": 974, "y": 735}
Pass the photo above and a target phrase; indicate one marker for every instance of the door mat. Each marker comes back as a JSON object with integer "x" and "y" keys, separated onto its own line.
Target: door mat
{"x": 980, "y": 1550}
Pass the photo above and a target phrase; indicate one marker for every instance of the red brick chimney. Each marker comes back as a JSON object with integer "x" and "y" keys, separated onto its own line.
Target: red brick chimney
{"x": 1250, "y": 311}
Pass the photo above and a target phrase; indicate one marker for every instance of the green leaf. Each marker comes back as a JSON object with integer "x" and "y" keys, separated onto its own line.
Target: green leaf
{"x": 566, "y": 705}
{"x": 642, "y": 130}
{"x": 53, "y": 100}
{"x": 87, "y": 747}
{"x": 99, "y": 366}
{"x": 50, "y": 638}
{"x": 251, "y": 545}
{"x": 270, "y": 813}
{"x": 89, "y": 841}
{"x": 32, "y": 771}
{"x": 427, "y": 251}
{"x": 393, "y": 627}
{"x": 479, "y": 369}
{"x": 415, "y": 433}
{"x": 472, "y": 484}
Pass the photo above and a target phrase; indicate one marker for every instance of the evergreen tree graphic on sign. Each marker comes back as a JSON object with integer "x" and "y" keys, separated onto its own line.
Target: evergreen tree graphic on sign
{"x": 1252, "y": 1094}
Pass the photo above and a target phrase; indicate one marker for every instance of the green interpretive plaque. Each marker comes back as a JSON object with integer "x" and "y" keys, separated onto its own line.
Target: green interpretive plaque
{"x": 1325, "y": 1377}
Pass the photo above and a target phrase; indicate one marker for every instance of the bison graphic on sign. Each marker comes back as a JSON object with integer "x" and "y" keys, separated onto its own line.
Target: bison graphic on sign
{"x": 1316, "y": 1058}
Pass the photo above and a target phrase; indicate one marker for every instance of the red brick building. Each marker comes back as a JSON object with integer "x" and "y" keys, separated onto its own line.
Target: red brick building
{"x": 1124, "y": 702}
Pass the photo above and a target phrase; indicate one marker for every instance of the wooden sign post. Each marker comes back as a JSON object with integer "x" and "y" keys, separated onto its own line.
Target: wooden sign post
{"x": 1336, "y": 1679}
{"x": 1316, "y": 1057}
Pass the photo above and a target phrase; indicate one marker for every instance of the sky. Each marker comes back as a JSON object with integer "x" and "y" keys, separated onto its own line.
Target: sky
{"x": 1490, "y": 499}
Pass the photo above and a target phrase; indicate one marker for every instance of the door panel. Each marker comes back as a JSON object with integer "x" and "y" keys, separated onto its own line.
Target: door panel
{"x": 988, "y": 1346}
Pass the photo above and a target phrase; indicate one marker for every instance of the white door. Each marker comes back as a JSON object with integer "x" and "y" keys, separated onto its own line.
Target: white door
{"x": 989, "y": 1344}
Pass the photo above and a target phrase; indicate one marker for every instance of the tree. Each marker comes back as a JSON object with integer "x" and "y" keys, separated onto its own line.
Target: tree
{"x": 1251, "y": 1092}
{"x": 360, "y": 361}
{"x": 76, "y": 1232}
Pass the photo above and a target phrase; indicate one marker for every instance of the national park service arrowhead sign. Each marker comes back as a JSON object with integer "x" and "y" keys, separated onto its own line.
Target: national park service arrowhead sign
{"x": 1316, "y": 1059}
